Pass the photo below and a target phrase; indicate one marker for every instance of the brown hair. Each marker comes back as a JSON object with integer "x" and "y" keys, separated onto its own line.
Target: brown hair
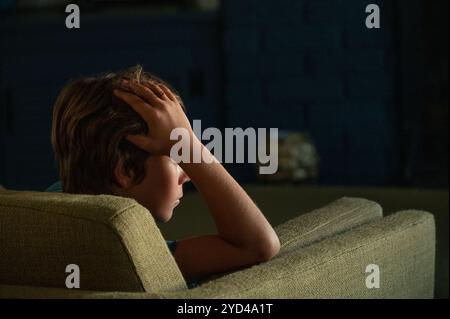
{"x": 88, "y": 132}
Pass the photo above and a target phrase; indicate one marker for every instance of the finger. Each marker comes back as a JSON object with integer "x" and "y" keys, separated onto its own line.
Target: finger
{"x": 125, "y": 83}
{"x": 168, "y": 93}
{"x": 146, "y": 93}
{"x": 141, "y": 141}
{"x": 138, "y": 104}
{"x": 160, "y": 93}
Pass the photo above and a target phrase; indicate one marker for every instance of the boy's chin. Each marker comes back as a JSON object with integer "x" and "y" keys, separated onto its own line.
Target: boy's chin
{"x": 163, "y": 218}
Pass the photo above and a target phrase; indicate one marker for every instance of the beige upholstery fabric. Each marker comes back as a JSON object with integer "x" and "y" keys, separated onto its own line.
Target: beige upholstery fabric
{"x": 324, "y": 253}
{"x": 114, "y": 241}
{"x": 402, "y": 245}
{"x": 334, "y": 218}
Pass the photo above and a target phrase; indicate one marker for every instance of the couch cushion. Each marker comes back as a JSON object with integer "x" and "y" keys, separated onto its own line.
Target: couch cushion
{"x": 114, "y": 241}
{"x": 336, "y": 217}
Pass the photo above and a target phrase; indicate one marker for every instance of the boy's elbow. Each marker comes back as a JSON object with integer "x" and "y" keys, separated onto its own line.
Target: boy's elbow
{"x": 269, "y": 248}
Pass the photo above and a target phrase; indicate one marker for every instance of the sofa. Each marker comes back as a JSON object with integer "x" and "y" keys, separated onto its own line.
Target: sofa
{"x": 121, "y": 252}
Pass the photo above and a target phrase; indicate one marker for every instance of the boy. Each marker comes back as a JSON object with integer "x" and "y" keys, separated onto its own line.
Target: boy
{"x": 111, "y": 135}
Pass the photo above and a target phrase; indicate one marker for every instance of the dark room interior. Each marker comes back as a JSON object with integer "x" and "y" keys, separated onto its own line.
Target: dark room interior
{"x": 360, "y": 112}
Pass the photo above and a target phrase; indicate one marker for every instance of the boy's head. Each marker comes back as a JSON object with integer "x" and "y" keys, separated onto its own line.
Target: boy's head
{"x": 88, "y": 136}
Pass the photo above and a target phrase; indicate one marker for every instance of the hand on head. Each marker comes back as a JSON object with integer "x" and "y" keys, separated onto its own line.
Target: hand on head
{"x": 160, "y": 109}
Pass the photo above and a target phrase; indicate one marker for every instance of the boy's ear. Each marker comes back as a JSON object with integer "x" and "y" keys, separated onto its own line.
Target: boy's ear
{"x": 122, "y": 178}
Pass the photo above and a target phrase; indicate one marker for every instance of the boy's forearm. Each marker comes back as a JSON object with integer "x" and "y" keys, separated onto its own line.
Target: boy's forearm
{"x": 237, "y": 218}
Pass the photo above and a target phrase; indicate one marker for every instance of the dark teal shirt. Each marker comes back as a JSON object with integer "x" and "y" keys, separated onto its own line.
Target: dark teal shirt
{"x": 56, "y": 187}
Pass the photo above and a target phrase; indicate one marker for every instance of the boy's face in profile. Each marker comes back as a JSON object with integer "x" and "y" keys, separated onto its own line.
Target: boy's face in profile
{"x": 161, "y": 189}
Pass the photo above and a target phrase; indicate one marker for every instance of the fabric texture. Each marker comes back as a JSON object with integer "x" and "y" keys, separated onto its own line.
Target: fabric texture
{"x": 57, "y": 188}
{"x": 324, "y": 253}
{"x": 334, "y": 218}
{"x": 114, "y": 241}
{"x": 402, "y": 245}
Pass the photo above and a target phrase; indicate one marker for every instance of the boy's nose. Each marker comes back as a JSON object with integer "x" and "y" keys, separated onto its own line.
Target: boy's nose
{"x": 184, "y": 178}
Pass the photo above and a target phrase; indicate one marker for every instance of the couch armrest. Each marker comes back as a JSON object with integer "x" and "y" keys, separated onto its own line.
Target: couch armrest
{"x": 402, "y": 245}
{"x": 337, "y": 217}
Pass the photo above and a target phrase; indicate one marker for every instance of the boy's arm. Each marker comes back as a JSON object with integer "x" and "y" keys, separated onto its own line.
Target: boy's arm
{"x": 244, "y": 235}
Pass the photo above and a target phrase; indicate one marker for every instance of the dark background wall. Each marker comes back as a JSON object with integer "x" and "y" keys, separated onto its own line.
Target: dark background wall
{"x": 315, "y": 67}
{"x": 374, "y": 101}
